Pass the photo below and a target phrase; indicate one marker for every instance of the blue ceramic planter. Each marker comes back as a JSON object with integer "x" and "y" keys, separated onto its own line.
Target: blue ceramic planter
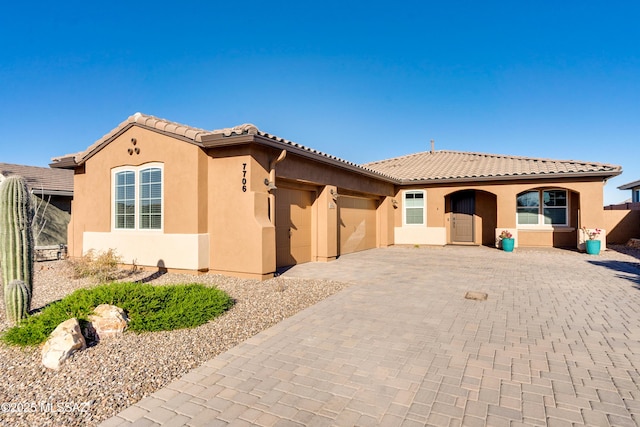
{"x": 592, "y": 246}
{"x": 507, "y": 244}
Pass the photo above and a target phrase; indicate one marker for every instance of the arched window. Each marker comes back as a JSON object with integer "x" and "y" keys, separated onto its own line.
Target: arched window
{"x": 137, "y": 197}
{"x": 543, "y": 207}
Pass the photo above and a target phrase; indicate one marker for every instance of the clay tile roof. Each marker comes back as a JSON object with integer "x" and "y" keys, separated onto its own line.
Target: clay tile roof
{"x": 455, "y": 165}
{"x": 47, "y": 180}
{"x": 245, "y": 129}
{"x": 426, "y": 166}
{"x": 187, "y": 133}
{"x": 318, "y": 153}
{"x": 250, "y": 129}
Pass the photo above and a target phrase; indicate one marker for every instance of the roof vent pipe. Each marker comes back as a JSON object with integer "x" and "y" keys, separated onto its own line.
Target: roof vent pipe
{"x": 433, "y": 146}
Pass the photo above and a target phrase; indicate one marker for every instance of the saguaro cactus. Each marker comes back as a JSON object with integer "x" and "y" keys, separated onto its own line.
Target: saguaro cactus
{"x": 16, "y": 238}
{"x": 17, "y": 298}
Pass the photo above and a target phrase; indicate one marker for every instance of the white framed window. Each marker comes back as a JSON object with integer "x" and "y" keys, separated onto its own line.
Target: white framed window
{"x": 636, "y": 197}
{"x": 414, "y": 204}
{"x": 138, "y": 197}
{"x": 543, "y": 208}
{"x": 125, "y": 200}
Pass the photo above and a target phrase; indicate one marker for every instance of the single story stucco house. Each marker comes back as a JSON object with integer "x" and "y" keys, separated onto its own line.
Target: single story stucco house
{"x": 243, "y": 202}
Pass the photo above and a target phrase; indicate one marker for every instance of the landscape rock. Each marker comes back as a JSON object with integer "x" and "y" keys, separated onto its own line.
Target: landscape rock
{"x": 633, "y": 243}
{"x": 65, "y": 340}
{"x": 107, "y": 321}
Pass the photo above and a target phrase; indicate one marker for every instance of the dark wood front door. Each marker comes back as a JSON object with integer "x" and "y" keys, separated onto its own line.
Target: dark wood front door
{"x": 462, "y": 211}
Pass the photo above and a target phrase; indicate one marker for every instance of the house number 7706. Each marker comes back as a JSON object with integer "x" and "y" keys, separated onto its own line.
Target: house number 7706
{"x": 244, "y": 177}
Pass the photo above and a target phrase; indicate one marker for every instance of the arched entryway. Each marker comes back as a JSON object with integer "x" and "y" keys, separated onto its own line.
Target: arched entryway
{"x": 471, "y": 217}
{"x": 463, "y": 210}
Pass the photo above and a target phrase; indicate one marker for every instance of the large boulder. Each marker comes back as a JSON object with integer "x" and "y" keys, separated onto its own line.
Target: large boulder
{"x": 65, "y": 340}
{"x": 107, "y": 321}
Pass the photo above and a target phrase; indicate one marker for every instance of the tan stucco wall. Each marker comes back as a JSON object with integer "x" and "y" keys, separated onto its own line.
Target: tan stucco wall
{"x": 496, "y": 210}
{"x": 184, "y": 180}
{"x": 486, "y": 220}
{"x": 298, "y": 168}
{"x": 242, "y": 236}
{"x": 622, "y": 225}
{"x": 327, "y": 216}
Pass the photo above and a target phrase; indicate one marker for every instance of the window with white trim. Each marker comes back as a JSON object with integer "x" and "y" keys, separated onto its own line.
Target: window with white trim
{"x": 137, "y": 198}
{"x": 636, "y": 199}
{"x": 414, "y": 207}
{"x": 543, "y": 207}
{"x": 125, "y": 200}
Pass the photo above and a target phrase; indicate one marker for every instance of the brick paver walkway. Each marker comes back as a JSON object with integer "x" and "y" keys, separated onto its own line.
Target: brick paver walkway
{"x": 557, "y": 343}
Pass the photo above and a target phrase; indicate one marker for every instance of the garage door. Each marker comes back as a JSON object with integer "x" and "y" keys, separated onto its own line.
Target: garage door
{"x": 357, "y": 224}
{"x": 293, "y": 226}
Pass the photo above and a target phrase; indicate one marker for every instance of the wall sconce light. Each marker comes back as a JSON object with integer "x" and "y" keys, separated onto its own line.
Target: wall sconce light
{"x": 334, "y": 195}
{"x": 394, "y": 202}
{"x": 270, "y": 185}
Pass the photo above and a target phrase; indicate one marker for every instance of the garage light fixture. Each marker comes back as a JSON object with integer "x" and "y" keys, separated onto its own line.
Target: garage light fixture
{"x": 270, "y": 185}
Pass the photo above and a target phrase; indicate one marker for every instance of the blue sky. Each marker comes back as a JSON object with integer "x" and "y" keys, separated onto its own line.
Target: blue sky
{"x": 360, "y": 80}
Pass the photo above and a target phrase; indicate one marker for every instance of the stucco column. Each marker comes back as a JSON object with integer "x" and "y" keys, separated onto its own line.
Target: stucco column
{"x": 386, "y": 221}
{"x": 591, "y": 219}
{"x": 327, "y": 208}
{"x": 506, "y": 210}
{"x": 242, "y": 241}
{"x": 506, "y": 207}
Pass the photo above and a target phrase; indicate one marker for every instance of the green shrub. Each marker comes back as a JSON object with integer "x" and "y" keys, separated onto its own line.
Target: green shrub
{"x": 150, "y": 308}
{"x": 101, "y": 266}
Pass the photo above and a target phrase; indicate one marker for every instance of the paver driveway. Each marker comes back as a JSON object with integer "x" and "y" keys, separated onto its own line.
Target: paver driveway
{"x": 556, "y": 343}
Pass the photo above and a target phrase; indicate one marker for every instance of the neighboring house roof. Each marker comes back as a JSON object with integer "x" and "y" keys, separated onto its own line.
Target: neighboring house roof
{"x": 42, "y": 180}
{"x": 630, "y": 186}
{"x": 431, "y": 166}
{"x": 441, "y": 166}
{"x": 204, "y": 138}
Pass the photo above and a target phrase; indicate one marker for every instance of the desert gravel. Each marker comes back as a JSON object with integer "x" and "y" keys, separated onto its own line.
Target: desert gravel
{"x": 97, "y": 383}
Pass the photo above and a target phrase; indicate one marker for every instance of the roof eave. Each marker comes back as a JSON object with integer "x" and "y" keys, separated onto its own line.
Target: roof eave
{"x": 219, "y": 140}
{"x": 45, "y": 192}
{"x": 67, "y": 162}
{"x": 87, "y": 155}
{"x": 82, "y": 157}
{"x": 605, "y": 175}
{"x": 630, "y": 185}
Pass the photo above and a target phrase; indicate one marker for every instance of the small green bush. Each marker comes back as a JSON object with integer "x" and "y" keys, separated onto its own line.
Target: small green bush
{"x": 101, "y": 266}
{"x": 150, "y": 308}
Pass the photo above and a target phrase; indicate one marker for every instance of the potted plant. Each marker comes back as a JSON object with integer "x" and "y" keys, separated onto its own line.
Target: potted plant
{"x": 507, "y": 240}
{"x": 592, "y": 245}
